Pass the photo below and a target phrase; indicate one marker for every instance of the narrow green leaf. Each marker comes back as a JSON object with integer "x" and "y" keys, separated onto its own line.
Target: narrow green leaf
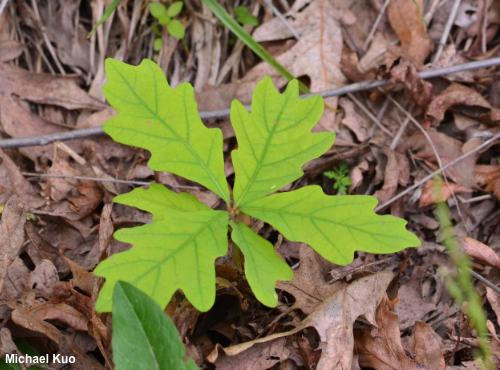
{"x": 262, "y": 266}
{"x": 144, "y": 337}
{"x": 158, "y": 199}
{"x": 176, "y": 252}
{"x": 176, "y": 29}
{"x": 175, "y": 9}
{"x": 158, "y": 44}
{"x": 165, "y": 121}
{"x": 157, "y": 10}
{"x": 274, "y": 140}
{"x": 105, "y": 16}
{"x": 335, "y": 226}
{"x": 244, "y": 16}
{"x": 244, "y": 36}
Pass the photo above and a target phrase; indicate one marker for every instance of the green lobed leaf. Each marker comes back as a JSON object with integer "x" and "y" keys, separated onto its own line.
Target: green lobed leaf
{"x": 177, "y": 251}
{"x": 165, "y": 121}
{"x": 335, "y": 226}
{"x": 244, "y": 16}
{"x": 176, "y": 29}
{"x": 157, "y": 10}
{"x": 159, "y": 199}
{"x": 274, "y": 140}
{"x": 262, "y": 266}
{"x": 144, "y": 337}
{"x": 175, "y": 9}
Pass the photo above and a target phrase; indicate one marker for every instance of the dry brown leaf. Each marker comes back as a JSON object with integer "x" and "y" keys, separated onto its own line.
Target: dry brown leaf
{"x": 92, "y": 197}
{"x": 382, "y": 349}
{"x": 445, "y": 190}
{"x": 418, "y": 90}
{"x": 494, "y": 299}
{"x": 21, "y": 318}
{"x": 82, "y": 278}
{"x": 405, "y": 19}
{"x": 455, "y": 94}
{"x": 61, "y": 312}
{"x": 427, "y": 349}
{"x": 412, "y": 307}
{"x": 317, "y": 54}
{"x": 11, "y": 235}
{"x": 10, "y": 50}
{"x": 448, "y": 150}
{"x": 489, "y": 175}
{"x": 397, "y": 171}
{"x": 356, "y": 122}
{"x": 6, "y": 343}
{"x": 12, "y": 182}
{"x": 105, "y": 228}
{"x": 333, "y": 320}
{"x": 480, "y": 251}
{"x": 308, "y": 286}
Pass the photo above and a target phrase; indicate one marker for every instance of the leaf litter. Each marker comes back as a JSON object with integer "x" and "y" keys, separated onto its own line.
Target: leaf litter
{"x": 54, "y": 231}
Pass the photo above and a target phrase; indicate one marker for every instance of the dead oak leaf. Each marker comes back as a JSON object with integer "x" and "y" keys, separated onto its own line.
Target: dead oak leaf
{"x": 333, "y": 319}
{"x": 406, "y": 21}
{"x": 397, "y": 172}
{"x": 448, "y": 150}
{"x": 382, "y": 349}
{"x": 480, "y": 251}
{"x": 432, "y": 188}
{"x": 489, "y": 175}
{"x": 308, "y": 286}
{"x": 455, "y": 94}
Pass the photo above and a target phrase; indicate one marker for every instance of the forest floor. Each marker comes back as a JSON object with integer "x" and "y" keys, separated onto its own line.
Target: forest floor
{"x": 387, "y": 140}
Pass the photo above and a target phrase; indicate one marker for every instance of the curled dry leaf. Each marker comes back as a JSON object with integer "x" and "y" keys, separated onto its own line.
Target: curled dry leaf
{"x": 427, "y": 348}
{"x": 480, "y": 251}
{"x": 12, "y": 182}
{"x": 455, "y": 94}
{"x": 317, "y": 54}
{"x": 382, "y": 349}
{"x": 6, "y": 343}
{"x": 10, "y": 50}
{"x": 489, "y": 175}
{"x": 11, "y": 235}
{"x": 333, "y": 319}
{"x": 494, "y": 299}
{"x": 308, "y": 285}
{"x": 445, "y": 190}
{"x": 406, "y": 21}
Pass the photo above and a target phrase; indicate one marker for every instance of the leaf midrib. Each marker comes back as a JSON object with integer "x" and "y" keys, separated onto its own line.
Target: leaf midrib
{"x": 173, "y": 132}
{"x": 266, "y": 147}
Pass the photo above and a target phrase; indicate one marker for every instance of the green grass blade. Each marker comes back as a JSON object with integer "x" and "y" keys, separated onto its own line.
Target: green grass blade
{"x": 105, "y": 16}
{"x": 235, "y": 28}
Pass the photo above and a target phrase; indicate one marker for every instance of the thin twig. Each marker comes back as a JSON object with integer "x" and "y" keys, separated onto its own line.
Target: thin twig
{"x": 428, "y": 177}
{"x": 375, "y": 25}
{"x": 370, "y": 114}
{"x": 446, "y": 32}
{"x": 2, "y": 6}
{"x": 283, "y": 20}
{"x": 488, "y": 283}
{"x": 224, "y": 113}
{"x": 129, "y": 182}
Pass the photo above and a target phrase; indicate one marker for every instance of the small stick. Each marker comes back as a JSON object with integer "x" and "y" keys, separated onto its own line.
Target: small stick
{"x": 437, "y": 172}
{"x": 370, "y": 114}
{"x": 130, "y": 182}
{"x": 2, "y": 6}
{"x": 446, "y": 32}
{"x": 488, "y": 283}
{"x": 223, "y": 113}
{"x": 278, "y": 14}
{"x": 375, "y": 25}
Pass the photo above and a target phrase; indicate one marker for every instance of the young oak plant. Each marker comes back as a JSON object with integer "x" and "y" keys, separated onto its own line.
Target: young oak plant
{"x": 178, "y": 250}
